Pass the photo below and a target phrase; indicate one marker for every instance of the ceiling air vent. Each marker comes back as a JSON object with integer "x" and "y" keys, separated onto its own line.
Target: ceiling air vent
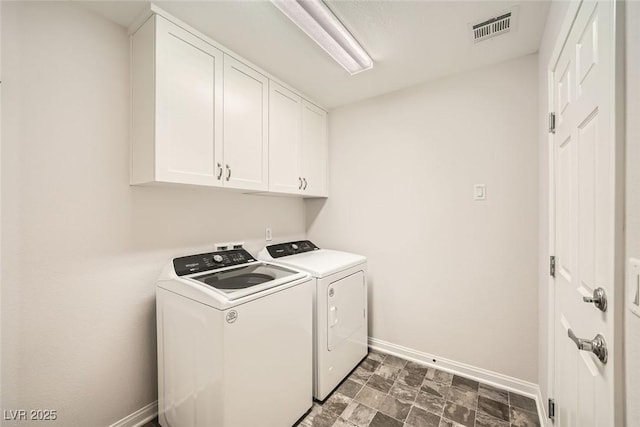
{"x": 492, "y": 27}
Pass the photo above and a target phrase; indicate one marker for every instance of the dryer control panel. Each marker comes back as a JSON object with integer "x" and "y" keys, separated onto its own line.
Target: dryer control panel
{"x": 211, "y": 261}
{"x": 291, "y": 248}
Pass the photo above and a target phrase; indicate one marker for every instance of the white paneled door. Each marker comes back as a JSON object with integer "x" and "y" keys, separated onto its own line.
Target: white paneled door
{"x": 586, "y": 223}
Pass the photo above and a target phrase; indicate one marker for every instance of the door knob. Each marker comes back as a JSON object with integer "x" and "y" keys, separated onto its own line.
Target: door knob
{"x": 599, "y": 299}
{"x": 597, "y": 346}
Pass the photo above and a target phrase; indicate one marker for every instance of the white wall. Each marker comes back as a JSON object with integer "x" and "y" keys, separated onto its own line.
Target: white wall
{"x": 81, "y": 249}
{"x": 632, "y": 322}
{"x": 557, "y": 12}
{"x": 448, "y": 276}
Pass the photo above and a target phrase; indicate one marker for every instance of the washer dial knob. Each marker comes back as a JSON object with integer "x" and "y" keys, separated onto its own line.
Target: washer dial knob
{"x": 217, "y": 258}
{"x": 294, "y": 247}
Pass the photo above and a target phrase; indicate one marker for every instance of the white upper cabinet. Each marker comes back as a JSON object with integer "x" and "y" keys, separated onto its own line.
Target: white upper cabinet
{"x": 314, "y": 150}
{"x": 297, "y": 144}
{"x": 201, "y": 116}
{"x": 246, "y": 124}
{"x": 177, "y": 106}
{"x": 285, "y": 140}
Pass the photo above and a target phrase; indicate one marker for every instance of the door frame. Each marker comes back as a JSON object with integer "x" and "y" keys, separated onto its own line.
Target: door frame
{"x": 619, "y": 152}
{"x": 1, "y": 210}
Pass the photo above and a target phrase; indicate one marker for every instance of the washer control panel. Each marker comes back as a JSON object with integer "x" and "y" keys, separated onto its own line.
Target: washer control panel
{"x": 211, "y": 261}
{"x": 291, "y": 248}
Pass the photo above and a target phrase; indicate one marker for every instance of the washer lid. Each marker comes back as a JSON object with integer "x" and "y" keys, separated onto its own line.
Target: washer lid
{"x": 322, "y": 262}
{"x": 237, "y": 282}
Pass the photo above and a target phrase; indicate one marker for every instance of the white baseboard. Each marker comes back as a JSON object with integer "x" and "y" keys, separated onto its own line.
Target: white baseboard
{"x": 482, "y": 375}
{"x": 140, "y": 417}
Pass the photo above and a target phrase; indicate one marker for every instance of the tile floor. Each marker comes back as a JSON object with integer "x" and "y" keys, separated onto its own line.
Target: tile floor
{"x": 387, "y": 391}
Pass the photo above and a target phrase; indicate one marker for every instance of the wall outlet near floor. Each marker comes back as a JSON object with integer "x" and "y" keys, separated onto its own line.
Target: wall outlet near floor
{"x": 633, "y": 286}
{"x": 267, "y": 235}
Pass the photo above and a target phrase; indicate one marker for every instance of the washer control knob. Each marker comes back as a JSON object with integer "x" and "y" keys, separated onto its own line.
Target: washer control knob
{"x": 294, "y": 247}
{"x": 217, "y": 258}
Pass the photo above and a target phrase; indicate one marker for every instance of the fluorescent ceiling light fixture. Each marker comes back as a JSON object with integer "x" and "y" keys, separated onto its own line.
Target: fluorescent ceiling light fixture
{"x": 318, "y": 22}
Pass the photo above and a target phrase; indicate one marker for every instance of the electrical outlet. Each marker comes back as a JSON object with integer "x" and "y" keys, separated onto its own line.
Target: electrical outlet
{"x": 479, "y": 192}
{"x": 236, "y": 245}
{"x": 221, "y": 246}
{"x": 267, "y": 235}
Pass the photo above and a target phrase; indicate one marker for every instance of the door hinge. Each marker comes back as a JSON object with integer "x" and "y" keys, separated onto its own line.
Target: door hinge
{"x": 552, "y": 408}
{"x": 552, "y": 122}
{"x": 552, "y": 266}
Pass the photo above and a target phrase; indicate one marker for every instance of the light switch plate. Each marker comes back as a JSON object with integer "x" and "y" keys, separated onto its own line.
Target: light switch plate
{"x": 633, "y": 286}
{"x": 479, "y": 192}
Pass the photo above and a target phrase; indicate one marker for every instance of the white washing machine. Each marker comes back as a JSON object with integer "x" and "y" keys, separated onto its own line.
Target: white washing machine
{"x": 339, "y": 309}
{"x": 234, "y": 342}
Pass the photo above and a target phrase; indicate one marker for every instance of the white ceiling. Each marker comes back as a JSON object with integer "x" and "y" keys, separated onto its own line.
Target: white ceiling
{"x": 410, "y": 41}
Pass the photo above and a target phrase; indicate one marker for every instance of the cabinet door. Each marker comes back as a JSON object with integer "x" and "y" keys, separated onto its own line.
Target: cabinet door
{"x": 285, "y": 139}
{"x": 188, "y": 119}
{"x": 314, "y": 150}
{"x": 245, "y": 126}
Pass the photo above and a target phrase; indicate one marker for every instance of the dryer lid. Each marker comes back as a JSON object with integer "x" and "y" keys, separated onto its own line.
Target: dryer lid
{"x": 319, "y": 263}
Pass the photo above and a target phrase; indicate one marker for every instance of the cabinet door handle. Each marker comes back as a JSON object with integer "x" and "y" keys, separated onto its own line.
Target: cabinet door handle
{"x": 219, "y": 171}
{"x": 228, "y": 172}
{"x": 300, "y": 185}
{"x": 305, "y": 183}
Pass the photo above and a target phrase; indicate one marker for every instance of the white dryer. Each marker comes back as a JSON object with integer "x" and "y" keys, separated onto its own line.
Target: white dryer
{"x": 339, "y": 309}
{"x": 234, "y": 342}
